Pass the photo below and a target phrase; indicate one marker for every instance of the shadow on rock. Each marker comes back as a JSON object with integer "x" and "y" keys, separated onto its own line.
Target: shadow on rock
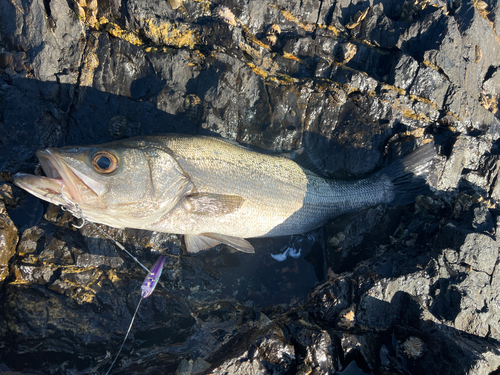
{"x": 230, "y": 308}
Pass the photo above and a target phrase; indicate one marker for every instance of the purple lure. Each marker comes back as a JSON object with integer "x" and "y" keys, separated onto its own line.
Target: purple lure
{"x": 152, "y": 278}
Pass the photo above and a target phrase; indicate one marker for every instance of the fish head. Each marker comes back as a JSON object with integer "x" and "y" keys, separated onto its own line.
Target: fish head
{"x": 121, "y": 184}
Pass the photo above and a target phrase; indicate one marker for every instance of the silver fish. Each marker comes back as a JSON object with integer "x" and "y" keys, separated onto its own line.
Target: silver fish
{"x": 211, "y": 190}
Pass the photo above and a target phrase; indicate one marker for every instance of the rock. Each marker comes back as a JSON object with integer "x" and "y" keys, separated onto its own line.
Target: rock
{"x": 480, "y": 252}
{"x": 7, "y": 195}
{"x": 405, "y": 289}
{"x": 29, "y": 241}
{"x": 316, "y": 350}
{"x": 8, "y": 242}
{"x": 483, "y": 220}
{"x": 191, "y": 367}
{"x": 271, "y": 352}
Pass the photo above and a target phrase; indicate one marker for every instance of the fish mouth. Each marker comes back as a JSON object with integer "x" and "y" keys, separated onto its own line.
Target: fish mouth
{"x": 59, "y": 171}
{"x": 60, "y": 184}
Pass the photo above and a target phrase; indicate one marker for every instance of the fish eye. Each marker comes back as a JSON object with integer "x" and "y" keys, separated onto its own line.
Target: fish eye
{"x": 104, "y": 162}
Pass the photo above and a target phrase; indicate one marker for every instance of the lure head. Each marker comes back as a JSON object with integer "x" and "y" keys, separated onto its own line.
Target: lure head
{"x": 152, "y": 278}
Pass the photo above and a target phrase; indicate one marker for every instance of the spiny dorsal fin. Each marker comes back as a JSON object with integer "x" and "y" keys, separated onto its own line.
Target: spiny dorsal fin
{"x": 306, "y": 159}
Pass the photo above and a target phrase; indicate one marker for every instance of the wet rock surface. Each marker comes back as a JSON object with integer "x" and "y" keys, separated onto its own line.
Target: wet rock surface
{"x": 386, "y": 290}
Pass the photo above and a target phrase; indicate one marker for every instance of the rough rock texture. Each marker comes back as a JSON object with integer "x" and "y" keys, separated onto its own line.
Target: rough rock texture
{"x": 8, "y": 242}
{"x": 386, "y": 290}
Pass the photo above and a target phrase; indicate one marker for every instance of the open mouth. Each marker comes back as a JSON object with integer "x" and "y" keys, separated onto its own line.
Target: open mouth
{"x": 59, "y": 185}
{"x": 59, "y": 172}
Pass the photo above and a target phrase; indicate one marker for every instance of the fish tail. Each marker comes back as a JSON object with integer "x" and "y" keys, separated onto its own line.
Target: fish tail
{"x": 408, "y": 174}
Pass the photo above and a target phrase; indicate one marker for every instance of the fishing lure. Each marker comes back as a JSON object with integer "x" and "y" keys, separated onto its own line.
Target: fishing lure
{"x": 147, "y": 287}
{"x": 149, "y": 284}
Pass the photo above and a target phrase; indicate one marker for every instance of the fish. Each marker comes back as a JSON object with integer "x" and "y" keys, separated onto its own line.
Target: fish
{"x": 212, "y": 190}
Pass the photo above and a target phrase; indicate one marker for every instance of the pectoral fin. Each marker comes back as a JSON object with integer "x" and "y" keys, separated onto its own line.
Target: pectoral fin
{"x": 197, "y": 243}
{"x": 212, "y": 204}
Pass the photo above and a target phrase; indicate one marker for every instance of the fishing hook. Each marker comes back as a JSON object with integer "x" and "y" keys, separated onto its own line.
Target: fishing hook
{"x": 81, "y": 225}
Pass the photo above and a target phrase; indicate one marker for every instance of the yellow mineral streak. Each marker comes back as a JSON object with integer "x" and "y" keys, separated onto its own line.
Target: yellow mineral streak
{"x": 178, "y": 35}
{"x": 290, "y": 17}
{"x": 258, "y": 71}
{"x": 489, "y": 103}
{"x": 416, "y": 133}
{"x": 19, "y": 8}
{"x": 90, "y": 63}
{"x": 482, "y": 7}
{"x": 116, "y": 31}
{"x": 250, "y": 37}
{"x": 399, "y": 90}
{"x": 112, "y": 276}
{"x": 289, "y": 56}
{"x": 253, "y": 53}
{"x": 411, "y": 114}
{"x": 283, "y": 80}
{"x": 270, "y": 65}
{"x": 432, "y": 65}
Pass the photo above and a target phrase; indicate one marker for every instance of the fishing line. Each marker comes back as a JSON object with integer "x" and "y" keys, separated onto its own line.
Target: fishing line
{"x": 147, "y": 288}
{"x": 119, "y": 245}
{"x": 149, "y": 284}
{"x": 125, "y": 339}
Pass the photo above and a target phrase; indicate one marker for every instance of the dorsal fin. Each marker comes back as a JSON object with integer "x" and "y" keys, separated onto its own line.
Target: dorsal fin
{"x": 306, "y": 159}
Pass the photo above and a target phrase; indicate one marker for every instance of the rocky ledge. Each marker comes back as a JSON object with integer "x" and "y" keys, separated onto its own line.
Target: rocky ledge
{"x": 386, "y": 290}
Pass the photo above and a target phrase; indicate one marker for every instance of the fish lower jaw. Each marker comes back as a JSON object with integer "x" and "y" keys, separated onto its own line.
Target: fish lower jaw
{"x": 42, "y": 187}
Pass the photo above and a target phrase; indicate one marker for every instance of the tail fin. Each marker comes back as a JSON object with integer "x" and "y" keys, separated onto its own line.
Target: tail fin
{"x": 408, "y": 174}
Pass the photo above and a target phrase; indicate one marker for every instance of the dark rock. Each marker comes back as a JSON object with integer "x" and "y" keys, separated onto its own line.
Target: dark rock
{"x": 386, "y": 290}
{"x": 480, "y": 252}
{"x": 191, "y": 367}
{"x": 8, "y": 196}
{"x": 29, "y": 241}
{"x": 271, "y": 352}
{"x": 483, "y": 219}
{"x": 8, "y": 242}
{"x": 315, "y": 350}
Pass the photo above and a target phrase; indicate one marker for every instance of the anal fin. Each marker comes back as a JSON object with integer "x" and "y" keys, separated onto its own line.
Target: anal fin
{"x": 204, "y": 241}
{"x": 237, "y": 242}
{"x": 197, "y": 243}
